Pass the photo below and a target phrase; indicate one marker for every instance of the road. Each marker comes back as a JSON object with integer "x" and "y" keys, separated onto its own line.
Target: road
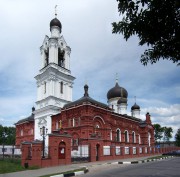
{"x": 164, "y": 168}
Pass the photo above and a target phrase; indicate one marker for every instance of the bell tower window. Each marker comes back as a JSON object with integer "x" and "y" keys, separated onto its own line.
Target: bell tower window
{"x": 46, "y": 52}
{"x": 44, "y": 87}
{"x": 61, "y": 57}
{"x": 61, "y": 87}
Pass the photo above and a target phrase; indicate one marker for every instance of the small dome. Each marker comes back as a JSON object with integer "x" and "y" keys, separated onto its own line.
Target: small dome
{"x": 122, "y": 100}
{"x": 135, "y": 106}
{"x": 117, "y": 91}
{"x": 55, "y": 22}
{"x": 86, "y": 90}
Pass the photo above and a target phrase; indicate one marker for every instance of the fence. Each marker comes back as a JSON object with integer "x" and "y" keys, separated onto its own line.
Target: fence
{"x": 80, "y": 153}
{"x": 9, "y": 151}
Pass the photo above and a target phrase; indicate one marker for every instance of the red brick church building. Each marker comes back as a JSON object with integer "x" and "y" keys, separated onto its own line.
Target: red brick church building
{"x": 62, "y": 131}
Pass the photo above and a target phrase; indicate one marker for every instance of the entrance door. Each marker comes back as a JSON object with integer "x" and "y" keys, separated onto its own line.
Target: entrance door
{"x": 97, "y": 152}
{"x": 62, "y": 148}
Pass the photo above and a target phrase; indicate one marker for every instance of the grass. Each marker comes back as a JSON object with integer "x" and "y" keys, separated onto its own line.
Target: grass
{"x": 158, "y": 157}
{"x": 12, "y": 165}
{"x": 71, "y": 171}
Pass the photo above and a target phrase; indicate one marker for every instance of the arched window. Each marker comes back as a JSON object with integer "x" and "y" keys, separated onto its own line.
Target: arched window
{"x": 126, "y": 136}
{"x": 57, "y": 125}
{"x": 74, "y": 122}
{"x": 61, "y": 87}
{"x": 111, "y": 134}
{"x": 139, "y": 139}
{"x": 32, "y": 131}
{"x": 97, "y": 126}
{"x": 46, "y": 52}
{"x": 21, "y": 132}
{"x": 149, "y": 139}
{"x": 61, "y": 57}
{"x": 118, "y": 135}
{"x": 133, "y": 137}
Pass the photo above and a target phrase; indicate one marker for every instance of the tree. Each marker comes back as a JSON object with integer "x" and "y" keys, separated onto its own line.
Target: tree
{"x": 158, "y": 132}
{"x": 177, "y": 138}
{"x": 156, "y": 23}
{"x": 167, "y": 133}
{"x": 7, "y": 135}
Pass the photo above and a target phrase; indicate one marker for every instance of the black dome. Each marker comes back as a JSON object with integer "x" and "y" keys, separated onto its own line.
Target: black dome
{"x": 55, "y": 22}
{"x": 117, "y": 91}
{"x": 135, "y": 106}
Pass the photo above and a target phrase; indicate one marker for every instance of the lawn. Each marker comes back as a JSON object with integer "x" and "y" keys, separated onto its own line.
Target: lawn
{"x": 11, "y": 165}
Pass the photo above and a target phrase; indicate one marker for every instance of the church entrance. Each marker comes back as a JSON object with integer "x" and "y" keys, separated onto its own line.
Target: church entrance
{"x": 97, "y": 152}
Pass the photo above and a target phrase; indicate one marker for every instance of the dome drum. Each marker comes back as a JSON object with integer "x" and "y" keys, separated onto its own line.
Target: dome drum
{"x": 122, "y": 101}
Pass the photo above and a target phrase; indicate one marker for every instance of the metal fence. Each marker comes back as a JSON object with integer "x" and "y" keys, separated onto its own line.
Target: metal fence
{"x": 9, "y": 151}
{"x": 80, "y": 153}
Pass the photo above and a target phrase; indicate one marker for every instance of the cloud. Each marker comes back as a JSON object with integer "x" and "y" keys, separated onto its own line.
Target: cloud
{"x": 97, "y": 55}
{"x": 168, "y": 116}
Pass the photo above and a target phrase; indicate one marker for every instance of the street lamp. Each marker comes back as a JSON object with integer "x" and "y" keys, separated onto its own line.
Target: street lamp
{"x": 43, "y": 132}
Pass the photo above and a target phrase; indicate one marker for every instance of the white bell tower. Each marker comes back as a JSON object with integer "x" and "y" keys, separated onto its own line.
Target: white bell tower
{"x": 54, "y": 81}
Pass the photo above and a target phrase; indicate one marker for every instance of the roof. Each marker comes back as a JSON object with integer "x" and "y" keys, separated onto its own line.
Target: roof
{"x": 86, "y": 99}
{"x": 128, "y": 117}
{"x": 27, "y": 119}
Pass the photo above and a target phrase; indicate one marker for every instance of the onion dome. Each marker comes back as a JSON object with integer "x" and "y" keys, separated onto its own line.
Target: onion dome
{"x": 86, "y": 90}
{"x": 135, "y": 106}
{"x": 117, "y": 91}
{"x": 55, "y": 22}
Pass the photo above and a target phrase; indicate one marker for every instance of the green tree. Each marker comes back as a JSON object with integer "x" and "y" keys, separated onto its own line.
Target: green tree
{"x": 7, "y": 135}
{"x": 177, "y": 138}
{"x": 156, "y": 23}
{"x": 158, "y": 132}
{"x": 167, "y": 133}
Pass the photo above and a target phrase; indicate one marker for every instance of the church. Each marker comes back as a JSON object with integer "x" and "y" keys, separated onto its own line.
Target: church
{"x": 62, "y": 131}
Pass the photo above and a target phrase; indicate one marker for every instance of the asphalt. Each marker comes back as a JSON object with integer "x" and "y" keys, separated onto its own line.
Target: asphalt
{"x": 65, "y": 168}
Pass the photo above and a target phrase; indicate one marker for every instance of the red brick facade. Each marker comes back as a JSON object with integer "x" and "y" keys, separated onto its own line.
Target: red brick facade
{"x": 24, "y": 132}
{"x": 87, "y": 130}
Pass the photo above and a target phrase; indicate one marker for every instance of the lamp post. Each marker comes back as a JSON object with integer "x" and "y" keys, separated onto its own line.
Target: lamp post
{"x": 43, "y": 132}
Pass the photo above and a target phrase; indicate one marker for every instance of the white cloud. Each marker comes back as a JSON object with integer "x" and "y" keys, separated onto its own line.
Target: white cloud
{"x": 97, "y": 55}
{"x": 165, "y": 116}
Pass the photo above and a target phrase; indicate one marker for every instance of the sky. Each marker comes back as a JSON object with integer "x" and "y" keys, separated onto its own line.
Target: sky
{"x": 96, "y": 56}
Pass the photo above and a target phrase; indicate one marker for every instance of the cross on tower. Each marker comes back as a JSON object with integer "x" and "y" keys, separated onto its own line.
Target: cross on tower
{"x": 116, "y": 77}
{"x": 55, "y": 10}
{"x": 135, "y": 98}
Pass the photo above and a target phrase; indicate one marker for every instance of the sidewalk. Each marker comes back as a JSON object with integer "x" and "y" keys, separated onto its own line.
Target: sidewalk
{"x": 64, "y": 168}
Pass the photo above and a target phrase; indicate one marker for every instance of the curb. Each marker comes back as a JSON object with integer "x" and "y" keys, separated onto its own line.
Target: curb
{"x": 72, "y": 174}
{"x": 144, "y": 161}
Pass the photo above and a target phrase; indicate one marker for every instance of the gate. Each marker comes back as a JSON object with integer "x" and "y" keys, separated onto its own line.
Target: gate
{"x": 80, "y": 153}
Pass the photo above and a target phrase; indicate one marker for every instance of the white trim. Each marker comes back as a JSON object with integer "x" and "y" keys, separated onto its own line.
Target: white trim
{"x": 100, "y": 118}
